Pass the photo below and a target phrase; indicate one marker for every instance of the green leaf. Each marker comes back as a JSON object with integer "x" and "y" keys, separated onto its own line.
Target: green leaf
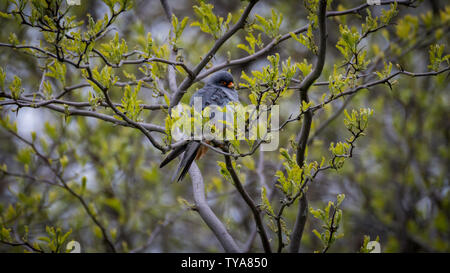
{"x": 44, "y": 239}
{"x": 131, "y": 105}
{"x": 16, "y": 88}
{"x": 318, "y": 235}
{"x": 177, "y": 29}
{"x": 340, "y": 198}
{"x": 5, "y": 15}
{"x": 436, "y": 57}
{"x": 304, "y": 67}
{"x": 266, "y": 204}
{"x": 64, "y": 161}
{"x": 210, "y": 23}
{"x": 58, "y": 71}
{"x": 271, "y": 26}
{"x": 83, "y": 185}
{"x": 2, "y": 79}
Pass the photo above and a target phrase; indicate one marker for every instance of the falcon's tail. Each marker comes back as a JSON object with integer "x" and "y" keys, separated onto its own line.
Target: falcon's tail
{"x": 173, "y": 154}
{"x": 186, "y": 162}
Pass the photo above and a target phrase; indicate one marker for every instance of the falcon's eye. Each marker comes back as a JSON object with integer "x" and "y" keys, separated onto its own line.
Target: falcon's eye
{"x": 224, "y": 83}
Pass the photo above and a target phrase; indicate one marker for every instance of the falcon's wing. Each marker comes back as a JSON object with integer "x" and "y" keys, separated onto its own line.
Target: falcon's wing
{"x": 189, "y": 150}
{"x": 210, "y": 95}
{"x": 173, "y": 154}
{"x": 186, "y": 162}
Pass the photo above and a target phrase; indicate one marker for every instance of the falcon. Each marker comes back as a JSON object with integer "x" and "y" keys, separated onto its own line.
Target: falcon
{"x": 219, "y": 90}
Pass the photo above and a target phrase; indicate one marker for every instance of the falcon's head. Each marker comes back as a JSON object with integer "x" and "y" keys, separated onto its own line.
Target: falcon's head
{"x": 222, "y": 79}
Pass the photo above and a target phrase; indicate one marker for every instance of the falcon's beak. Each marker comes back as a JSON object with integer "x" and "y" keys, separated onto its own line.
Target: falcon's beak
{"x": 230, "y": 85}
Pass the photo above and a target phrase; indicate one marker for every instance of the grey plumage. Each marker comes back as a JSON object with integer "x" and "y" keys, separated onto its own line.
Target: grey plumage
{"x": 215, "y": 92}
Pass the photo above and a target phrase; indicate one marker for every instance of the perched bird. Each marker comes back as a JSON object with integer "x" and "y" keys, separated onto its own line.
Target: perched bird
{"x": 219, "y": 90}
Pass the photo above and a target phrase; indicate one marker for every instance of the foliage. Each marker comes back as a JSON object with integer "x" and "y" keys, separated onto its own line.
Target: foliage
{"x": 330, "y": 217}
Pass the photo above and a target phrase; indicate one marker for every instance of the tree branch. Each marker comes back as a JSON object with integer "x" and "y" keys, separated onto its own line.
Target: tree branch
{"x": 22, "y": 102}
{"x": 188, "y": 81}
{"x": 167, "y": 9}
{"x": 24, "y": 243}
{"x": 377, "y": 82}
{"x": 287, "y": 36}
{"x": 299, "y": 226}
{"x": 207, "y": 214}
{"x": 307, "y": 120}
{"x": 123, "y": 115}
{"x": 250, "y": 203}
{"x": 171, "y": 75}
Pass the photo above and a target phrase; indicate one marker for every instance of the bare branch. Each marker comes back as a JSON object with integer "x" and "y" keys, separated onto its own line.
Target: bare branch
{"x": 171, "y": 75}
{"x": 24, "y": 243}
{"x": 41, "y": 103}
{"x": 377, "y": 82}
{"x": 356, "y": 10}
{"x": 307, "y": 117}
{"x": 299, "y": 226}
{"x": 76, "y": 112}
{"x": 207, "y": 214}
{"x": 256, "y": 212}
{"x": 329, "y": 120}
{"x": 167, "y": 9}
{"x": 32, "y": 178}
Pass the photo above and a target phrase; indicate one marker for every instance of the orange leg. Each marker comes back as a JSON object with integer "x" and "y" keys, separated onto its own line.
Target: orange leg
{"x": 202, "y": 151}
